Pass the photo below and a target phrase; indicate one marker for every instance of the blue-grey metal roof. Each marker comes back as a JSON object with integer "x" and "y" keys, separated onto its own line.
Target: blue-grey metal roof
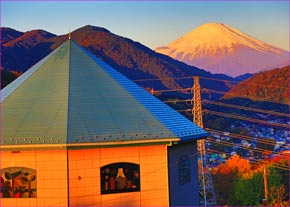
{"x": 73, "y": 97}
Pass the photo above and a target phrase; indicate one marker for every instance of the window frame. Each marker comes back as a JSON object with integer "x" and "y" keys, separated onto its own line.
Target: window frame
{"x": 184, "y": 170}
{"x": 18, "y": 182}
{"x": 120, "y": 177}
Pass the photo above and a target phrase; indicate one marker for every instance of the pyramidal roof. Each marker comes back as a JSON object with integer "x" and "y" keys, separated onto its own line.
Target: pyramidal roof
{"x": 72, "y": 97}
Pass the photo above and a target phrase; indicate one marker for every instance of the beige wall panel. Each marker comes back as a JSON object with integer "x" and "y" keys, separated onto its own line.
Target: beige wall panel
{"x": 85, "y": 176}
{"x": 51, "y": 176}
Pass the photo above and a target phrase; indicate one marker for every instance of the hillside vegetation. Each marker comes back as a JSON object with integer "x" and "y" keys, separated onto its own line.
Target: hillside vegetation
{"x": 129, "y": 57}
{"x": 269, "y": 85}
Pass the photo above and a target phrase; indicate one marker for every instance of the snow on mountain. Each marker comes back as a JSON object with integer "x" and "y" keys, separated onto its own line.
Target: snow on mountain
{"x": 219, "y": 48}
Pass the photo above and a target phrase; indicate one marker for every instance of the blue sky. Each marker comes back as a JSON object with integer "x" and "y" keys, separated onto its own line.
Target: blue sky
{"x": 151, "y": 23}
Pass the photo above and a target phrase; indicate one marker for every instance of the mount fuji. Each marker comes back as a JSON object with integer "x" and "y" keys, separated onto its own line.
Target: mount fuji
{"x": 219, "y": 48}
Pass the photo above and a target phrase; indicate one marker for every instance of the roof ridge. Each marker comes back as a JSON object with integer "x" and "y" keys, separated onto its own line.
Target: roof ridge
{"x": 75, "y": 98}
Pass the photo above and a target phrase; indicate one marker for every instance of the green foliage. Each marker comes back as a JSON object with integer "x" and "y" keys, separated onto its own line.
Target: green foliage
{"x": 239, "y": 183}
{"x": 274, "y": 181}
{"x": 227, "y": 176}
{"x": 248, "y": 191}
{"x": 224, "y": 189}
{"x": 274, "y": 178}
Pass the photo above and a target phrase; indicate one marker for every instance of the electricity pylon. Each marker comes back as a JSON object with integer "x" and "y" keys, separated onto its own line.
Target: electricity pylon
{"x": 206, "y": 189}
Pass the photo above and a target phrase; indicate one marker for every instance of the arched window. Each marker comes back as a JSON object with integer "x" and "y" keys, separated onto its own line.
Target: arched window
{"x": 18, "y": 182}
{"x": 120, "y": 177}
{"x": 184, "y": 170}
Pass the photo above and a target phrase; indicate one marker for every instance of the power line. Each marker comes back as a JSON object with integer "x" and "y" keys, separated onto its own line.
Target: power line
{"x": 248, "y": 108}
{"x": 211, "y": 151}
{"x": 239, "y": 117}
{"x": 231, "y": 106}
{"x": 158, "y": 79}
{"x": 178, "y": 101}
{"x": 239, "y": 136}
{"x": 241, "y": 147}
{"x": 171, "y": 90}
{"x": 206, "y": 78}
{"x": 242, "y": 82}
{"x": 231, "y": 144}
{"x": 236, "y": 95}
{"x": 252, "y": 160}
{"x": 245, "y": 118}
{"x": 255, "y": 98}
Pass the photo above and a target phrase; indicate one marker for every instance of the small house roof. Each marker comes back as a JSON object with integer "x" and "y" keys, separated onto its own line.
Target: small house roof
{"x": 71, "y": 96}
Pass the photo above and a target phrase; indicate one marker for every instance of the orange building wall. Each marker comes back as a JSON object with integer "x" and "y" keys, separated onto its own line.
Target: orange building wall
{"x": 84, "y": 176}
{"x": 51, "y": 172}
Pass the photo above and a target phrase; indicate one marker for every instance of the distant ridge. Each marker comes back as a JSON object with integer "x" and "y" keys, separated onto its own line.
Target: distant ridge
{"x": 269, "y": 85}
{"x": 24, "y": 50}
{"x": 131, "y": 58}
{"x": 29, "y": 39}
{"x": 8, "y": 34}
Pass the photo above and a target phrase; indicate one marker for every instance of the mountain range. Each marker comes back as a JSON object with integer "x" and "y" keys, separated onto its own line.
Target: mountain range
{"x": 136, "y": 61}
{"x": 8, "y": 34}
{"x": 19, "y": 51}
{"x": 270, "y": 85}
{"x": 219, "y": 48}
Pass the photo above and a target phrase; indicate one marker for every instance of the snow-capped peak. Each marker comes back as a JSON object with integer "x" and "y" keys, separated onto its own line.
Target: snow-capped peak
{"x": 211, "y": 45}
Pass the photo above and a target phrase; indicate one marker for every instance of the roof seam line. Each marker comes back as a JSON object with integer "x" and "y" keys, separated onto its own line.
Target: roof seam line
{"x": 68, "y": 91}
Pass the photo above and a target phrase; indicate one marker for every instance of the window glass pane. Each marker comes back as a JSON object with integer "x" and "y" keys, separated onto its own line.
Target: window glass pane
{"x": 184, "y": 170}
{"x": 120, "y": 177}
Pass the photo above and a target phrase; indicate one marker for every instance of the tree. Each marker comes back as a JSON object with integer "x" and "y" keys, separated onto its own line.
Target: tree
{"x": 238, "y": 183}
{"x": 248, "y": 191}
{"x": 283, "y": 161}
{"x": 242, "y": 166}
{"x": 278, "y": 196}
{"x": 233, "y": 169}
{"x": 277, "y": 189}
{"x": 224, "y": 187}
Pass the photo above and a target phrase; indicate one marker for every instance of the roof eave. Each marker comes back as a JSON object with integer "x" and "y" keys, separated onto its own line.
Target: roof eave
{"x": 88, "y": 145}
{"x": 193, "y": 138}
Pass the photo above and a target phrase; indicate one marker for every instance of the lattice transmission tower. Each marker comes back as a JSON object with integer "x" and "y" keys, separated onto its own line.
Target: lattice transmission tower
{"x": 206, "y": 189}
